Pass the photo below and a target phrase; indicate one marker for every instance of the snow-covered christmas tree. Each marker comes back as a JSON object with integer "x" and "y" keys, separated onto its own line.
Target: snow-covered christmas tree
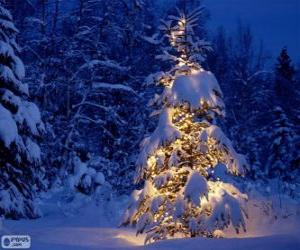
{"x": 20, "y": 126}
{"x": 187, "y": 160}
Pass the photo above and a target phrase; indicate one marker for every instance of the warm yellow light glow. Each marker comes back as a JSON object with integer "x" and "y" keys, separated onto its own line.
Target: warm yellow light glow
{"x": 131, "y": 238}
{"x": 171, "y": 165}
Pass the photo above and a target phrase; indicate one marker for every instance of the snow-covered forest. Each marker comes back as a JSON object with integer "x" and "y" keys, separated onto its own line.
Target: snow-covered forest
{"x": 132, "y": 122}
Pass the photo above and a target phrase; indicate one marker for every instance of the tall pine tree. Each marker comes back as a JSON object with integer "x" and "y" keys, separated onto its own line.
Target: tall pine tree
{"x": 284, "y": 82}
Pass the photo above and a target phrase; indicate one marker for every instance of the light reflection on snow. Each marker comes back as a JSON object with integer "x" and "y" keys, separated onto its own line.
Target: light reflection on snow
{"x": 131, "y": 238}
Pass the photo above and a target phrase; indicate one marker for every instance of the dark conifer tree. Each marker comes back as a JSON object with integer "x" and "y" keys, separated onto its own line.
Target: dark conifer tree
{"x": 284, "y": 82}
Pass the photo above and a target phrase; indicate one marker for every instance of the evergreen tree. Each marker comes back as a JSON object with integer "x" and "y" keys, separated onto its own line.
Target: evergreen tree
{"x": 279, "y": 163}
{"x": 20, "y": 127}
{"x": 284, "y": 82}
{"x": 284, "y": 67}
{"x": 179, "y": 161}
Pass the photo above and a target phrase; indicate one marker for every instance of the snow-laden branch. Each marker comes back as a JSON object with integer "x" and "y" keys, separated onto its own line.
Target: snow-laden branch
{"x": 251, "y": 77}
{"x": 113, "y": 86}
{"x": 90, "y": 104}
{"x": 257, "y": 74}
{"x": 98, "y": 121}
{"x": 152, "y": 39}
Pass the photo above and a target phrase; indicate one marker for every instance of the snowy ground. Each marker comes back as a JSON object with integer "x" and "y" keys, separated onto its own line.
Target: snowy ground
{"x": 96, "y": 227}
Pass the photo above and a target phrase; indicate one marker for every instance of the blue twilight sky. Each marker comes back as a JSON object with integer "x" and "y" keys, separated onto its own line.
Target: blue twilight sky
{"x": 276, "y": 22}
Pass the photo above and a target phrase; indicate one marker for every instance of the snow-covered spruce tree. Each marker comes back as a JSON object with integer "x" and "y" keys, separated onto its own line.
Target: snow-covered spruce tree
{"x": 182, "y": 196}
{"x": 281, "y": 147}
{"x": 20, "y": 126}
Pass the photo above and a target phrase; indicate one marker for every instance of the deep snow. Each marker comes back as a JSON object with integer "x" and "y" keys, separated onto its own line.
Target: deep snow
{"x": 96, "y": 227}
